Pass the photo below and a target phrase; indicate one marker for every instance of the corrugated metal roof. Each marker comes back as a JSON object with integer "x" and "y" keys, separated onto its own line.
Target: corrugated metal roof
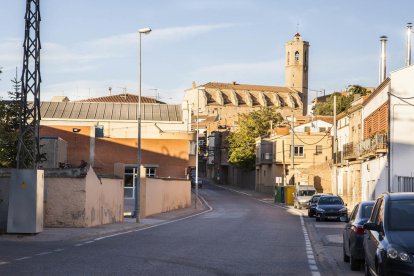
{"x": 109, "y": 111}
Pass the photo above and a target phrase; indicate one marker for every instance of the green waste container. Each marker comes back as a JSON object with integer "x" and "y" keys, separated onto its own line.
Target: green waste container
{"x": 279, "y": 194}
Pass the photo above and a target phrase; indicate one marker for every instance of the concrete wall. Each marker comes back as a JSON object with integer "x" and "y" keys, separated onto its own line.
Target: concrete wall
{"x": 84, "y": 201}
{"x": 163, "y": 195}
{"x": 374, "y": 177}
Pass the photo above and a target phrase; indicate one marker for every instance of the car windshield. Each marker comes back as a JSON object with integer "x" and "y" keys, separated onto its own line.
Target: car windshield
{"x": 366, "y": 211}
{"x": 401, "y": 215}
{"x": 306, "y": 193}
{"x": 315, "y": 199}
{"x": 330, "y": 201}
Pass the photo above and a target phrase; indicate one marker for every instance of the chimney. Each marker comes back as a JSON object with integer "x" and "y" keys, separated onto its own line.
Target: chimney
{"x": 194, "y": 85}
{"x": 409, "y": 32}
{"x": 383, "y": 66}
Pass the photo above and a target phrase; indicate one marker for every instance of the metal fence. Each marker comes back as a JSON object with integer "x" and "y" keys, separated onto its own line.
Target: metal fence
{"x": 405, "y": 184}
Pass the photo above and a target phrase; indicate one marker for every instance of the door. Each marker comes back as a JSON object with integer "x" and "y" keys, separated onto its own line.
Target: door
{"x": 371, "y": 241}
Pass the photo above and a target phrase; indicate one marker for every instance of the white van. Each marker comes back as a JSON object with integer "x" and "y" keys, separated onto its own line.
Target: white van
{"x": 302, "y": 195}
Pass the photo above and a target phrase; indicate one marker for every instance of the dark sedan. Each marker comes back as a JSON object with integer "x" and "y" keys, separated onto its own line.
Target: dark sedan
{"x": 330, "y": 207}
{"x": 312, "y": 204}
{"x": 389, "y": 236}
{"x": 354, "y": 234}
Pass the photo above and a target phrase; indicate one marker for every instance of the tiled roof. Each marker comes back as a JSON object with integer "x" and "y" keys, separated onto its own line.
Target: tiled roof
{"x": 122, "y": 98}
{"x": 109, "y": 111}
{"x": 234, "y": 94}
{"x": 251, "y": 87}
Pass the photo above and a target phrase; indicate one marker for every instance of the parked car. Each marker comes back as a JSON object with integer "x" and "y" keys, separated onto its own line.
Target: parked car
{"x": 330, "y": 207}
{"x": 312, "y": 204}
{"x": 389, "y": 236}
{"x": 353, "y": 235}
{"x": 302, "y": 195}
{"x": 193, "y": 182}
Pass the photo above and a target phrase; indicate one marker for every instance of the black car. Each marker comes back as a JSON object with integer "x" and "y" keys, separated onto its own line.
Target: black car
{"x": 330, "y": 207}
{"x": 353, "y": 235}
{"x": 193, "y": 182}
{"x": 389, "y": 236}
{"x": 312, "y": 204}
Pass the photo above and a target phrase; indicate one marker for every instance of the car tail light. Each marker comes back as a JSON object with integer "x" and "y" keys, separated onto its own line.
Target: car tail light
{"x": 358, "y": 229}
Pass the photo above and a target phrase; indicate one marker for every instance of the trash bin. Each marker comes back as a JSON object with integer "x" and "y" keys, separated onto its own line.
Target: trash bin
{"x": 289, "y": 190}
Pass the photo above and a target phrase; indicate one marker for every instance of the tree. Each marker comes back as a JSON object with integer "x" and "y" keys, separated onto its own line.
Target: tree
{"x": 9, "y": 124}
{"x": 343, "y": 102}
{"x": 241, "y": 143}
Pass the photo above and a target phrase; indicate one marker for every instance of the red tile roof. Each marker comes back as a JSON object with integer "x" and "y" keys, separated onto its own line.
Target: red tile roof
{"x": 122, "y": 98}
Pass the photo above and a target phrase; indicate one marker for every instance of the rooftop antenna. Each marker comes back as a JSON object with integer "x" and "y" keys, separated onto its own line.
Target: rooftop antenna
{"x": 110, "y": 91}
{"x": 297, "y": 27}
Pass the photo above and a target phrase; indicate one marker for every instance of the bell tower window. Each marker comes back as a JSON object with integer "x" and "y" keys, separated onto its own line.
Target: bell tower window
{"x": 297, "y": 56}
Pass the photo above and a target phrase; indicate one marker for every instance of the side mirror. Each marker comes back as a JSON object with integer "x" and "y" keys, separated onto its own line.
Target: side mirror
{"x": 344, "y": 219}
{"x": 372, "y": 226}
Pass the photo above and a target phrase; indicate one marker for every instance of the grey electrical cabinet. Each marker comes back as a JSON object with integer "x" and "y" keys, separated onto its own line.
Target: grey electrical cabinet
{"x": 25, "y": 213}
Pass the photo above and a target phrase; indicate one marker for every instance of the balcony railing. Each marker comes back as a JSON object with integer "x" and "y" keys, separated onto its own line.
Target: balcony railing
{"x": 368, "y": 147}
{"x": 374, "y": 145}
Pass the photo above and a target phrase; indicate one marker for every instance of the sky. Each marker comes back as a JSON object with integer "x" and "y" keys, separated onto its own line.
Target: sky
{"x": 89, "y": 46}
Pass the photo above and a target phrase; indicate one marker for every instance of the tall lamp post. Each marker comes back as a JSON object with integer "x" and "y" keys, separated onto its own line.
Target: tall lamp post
{"x": 138, "y": 175}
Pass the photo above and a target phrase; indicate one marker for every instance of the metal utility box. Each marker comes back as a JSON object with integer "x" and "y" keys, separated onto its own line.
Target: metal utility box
{"x": 25, "y": 214}
{"x": 289, "y": 191}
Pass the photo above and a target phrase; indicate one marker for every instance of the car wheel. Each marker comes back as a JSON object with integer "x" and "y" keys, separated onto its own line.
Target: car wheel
{"x": 346, "y": 257}
{"x": 318, "y": 218}
{"x": 310, "y": 214}
{"x": 354, "y": 263}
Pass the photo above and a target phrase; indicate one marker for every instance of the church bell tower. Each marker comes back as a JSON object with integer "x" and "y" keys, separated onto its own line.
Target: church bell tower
{"x": 297, "y": 66}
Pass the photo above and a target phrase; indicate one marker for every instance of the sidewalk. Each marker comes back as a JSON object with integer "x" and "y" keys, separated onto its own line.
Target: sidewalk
{"x": 77, "y": 234}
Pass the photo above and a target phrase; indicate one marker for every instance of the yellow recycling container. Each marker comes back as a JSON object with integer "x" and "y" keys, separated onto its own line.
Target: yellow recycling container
{"x": 289, "y": 190}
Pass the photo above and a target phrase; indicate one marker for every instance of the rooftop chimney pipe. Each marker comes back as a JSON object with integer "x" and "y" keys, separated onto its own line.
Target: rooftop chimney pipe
{"x": 383, "y": 66}
{"x": 409, "y": 32}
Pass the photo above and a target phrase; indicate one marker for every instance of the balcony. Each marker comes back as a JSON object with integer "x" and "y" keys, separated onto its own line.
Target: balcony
{"x": 373, "y": 146}
{"x": 350, "y": 151}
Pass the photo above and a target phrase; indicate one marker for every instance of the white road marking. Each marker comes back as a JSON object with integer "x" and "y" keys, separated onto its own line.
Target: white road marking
{"x": 79, "y": 244}
{"x": 23, "y": 258}
{"x": 89, "y": 242}
{"x": 313, "y": 267}
{"x": 161, "y": 224}
{"x": 43, "y": 253}
{"x": 59, "y": 250}
{"x": 3, "y": 263}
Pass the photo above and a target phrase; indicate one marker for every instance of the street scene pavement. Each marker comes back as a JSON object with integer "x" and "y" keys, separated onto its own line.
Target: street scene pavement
{"x": 236, "y": 232}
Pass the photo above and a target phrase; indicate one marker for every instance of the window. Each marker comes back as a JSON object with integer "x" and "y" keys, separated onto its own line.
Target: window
{"x": 318, "y": 149}
{"x": 288, "y": 57}
{"x": 299, "y": 151}
{"x": 99, "y": 131}
{"x": 307, "y": 129}
{"x": 322, "y": 129}
{"x": 150, "y": 172}
{"x": 297, "y": 55}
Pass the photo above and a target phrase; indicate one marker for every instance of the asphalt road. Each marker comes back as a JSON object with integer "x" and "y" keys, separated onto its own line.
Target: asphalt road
{"x": 240, "y": 235}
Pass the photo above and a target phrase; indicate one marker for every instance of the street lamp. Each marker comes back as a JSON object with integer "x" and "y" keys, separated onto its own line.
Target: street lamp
{"x": 138, "y": 175}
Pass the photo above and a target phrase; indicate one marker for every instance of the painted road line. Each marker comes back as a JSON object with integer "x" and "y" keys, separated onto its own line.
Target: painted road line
{"x": 43, "y": 253}
{"x": 79, "y": 244}
{"x": 59, "y": 250}
{"x": 23, "y": 258}
{"x": 3, "y": 263}
{"x": 87, "y": 242}
{"x": 161, "y": 224}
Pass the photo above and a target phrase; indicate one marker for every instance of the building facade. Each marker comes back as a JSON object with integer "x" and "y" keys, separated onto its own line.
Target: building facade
{"x": 105, "y": 133}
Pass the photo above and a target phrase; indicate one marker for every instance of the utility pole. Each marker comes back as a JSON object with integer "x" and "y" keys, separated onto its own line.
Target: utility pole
{"x": 292, "y": 148}
{"x": 29, "y": 114}
{"x": 284, "y": 164}
{"x": 335, "y": 152}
